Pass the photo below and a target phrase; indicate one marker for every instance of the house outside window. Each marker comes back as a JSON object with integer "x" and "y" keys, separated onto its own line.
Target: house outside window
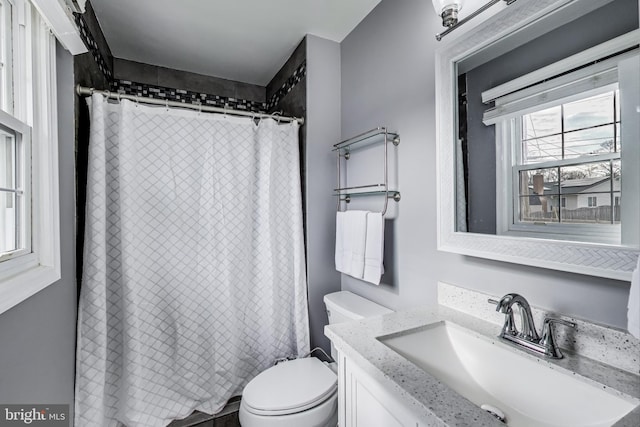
{"x": 569, "y": 151}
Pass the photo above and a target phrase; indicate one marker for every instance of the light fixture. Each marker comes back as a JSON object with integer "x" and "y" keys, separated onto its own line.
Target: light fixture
{"x": 448, "y": 10}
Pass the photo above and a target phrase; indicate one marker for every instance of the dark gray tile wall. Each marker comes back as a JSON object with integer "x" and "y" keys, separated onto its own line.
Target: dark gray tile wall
{"x": 91, "y": 69}
{"x": 94, "y": 40}
{"x": 99, "y": 59}
{"x": 185, "y": 96}
{"x": 291, "y": 83}
{"x": 299, "y": 56}
{"x": 166, "y": 77}
{"x": 98, "y": 68}
{"x": 288, "y": 77}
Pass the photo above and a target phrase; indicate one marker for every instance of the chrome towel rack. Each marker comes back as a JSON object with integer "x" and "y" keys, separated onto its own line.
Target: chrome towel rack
{"x": 344, "y": 149}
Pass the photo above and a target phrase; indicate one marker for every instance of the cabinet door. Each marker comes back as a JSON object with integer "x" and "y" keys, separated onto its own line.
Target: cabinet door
{"x": 369, "y": 404}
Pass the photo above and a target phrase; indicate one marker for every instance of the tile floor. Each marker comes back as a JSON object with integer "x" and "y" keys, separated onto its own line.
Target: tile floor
{"x": 228, "y": 417}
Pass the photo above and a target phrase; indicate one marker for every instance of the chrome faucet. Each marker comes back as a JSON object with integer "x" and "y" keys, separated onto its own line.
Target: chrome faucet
{"x": 528, "y": 337}
{"x": 528, "y": 328}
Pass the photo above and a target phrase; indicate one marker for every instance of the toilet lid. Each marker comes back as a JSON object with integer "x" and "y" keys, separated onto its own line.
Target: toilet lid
{"x": 290, "y": 387}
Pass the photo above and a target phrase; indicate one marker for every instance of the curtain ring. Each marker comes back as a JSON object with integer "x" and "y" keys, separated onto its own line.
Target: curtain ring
{"x": 137, "y": 101}
{"x": 199, "y": 108}
{"x": 119, "y": 100}
{"x": 166, "y": 104}
{"x": 107, "y": 96}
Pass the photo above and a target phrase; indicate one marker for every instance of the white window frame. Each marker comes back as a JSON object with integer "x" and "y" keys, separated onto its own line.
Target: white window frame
{"x": 35, "y": 108}
{"x": 508, "y": 146}
{"x": 6, "y": 59}
{"x": 22, "y": 169}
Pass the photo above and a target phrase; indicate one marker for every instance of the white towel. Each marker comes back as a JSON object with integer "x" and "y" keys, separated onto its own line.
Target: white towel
{"x": 374, "y": 249}
{"x": 351, "y": 231}
{"x": 340, "y": 220}
{"x": 356, "y": 240}
{"x": 633, "y": 308}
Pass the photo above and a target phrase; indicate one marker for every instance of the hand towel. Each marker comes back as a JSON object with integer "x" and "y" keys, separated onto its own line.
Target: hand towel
{"x": 374, "y": 248}
{"x": 339, "y": 256}
{"x": 633, "y": 308}
{"x": 351, "y": 229}
{"x": 354, "y": 244}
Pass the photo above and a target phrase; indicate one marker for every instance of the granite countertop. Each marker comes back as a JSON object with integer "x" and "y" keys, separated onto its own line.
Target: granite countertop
{"x": 433, "y": 401}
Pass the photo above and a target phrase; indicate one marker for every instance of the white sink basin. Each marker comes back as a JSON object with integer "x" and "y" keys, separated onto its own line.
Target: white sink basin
{"x": 528, "y": 392}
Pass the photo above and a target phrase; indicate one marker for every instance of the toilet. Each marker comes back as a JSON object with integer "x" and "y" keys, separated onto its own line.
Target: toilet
{"x": 303, "y": 392}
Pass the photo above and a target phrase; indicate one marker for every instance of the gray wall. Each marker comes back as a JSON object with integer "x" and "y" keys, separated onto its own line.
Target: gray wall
{"x": 38, "y": 336}
{"x": 388, "y": 79}
{"x": 547, "y": 49}
{"x": 323, "y": 130}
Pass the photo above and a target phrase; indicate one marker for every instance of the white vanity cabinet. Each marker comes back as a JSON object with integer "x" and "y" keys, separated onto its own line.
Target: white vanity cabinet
{"x": 365, "y": 402}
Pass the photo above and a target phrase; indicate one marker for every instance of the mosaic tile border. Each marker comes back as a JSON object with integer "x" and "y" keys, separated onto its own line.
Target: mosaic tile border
{"x": 181, "y": 95}
{"x": 185, "y": 96}
{"x": 287, "y": 86}
{"x": 92, "y": 45}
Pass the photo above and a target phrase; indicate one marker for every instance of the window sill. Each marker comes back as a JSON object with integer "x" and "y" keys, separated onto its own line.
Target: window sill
{"x": 584, "y": 234}
{"x": 18, "y": 288}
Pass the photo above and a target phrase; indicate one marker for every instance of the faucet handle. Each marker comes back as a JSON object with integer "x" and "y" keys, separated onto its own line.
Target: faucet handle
{"x": 509, "y": 327}
{"x": 548, "y": 340}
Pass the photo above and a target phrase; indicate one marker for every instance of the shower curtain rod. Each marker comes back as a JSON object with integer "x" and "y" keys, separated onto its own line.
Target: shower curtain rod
{"x": 82, "y": 91}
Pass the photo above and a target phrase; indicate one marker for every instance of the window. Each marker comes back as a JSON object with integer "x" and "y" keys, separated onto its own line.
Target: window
{"x": 563, "y": 141}
{"x": 569, "y": 152}
{"x": 15, "y": 143}
{"x": 29, "y": 211}
{"x": 15, "y": 199}
{"x": 6, "y": 60}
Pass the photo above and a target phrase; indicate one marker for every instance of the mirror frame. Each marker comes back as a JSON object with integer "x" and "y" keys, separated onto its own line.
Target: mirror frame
{"x": 614, "y": 262}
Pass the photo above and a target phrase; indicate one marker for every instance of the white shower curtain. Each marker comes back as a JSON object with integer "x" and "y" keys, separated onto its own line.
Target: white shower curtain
{"x": 194, "y": 272}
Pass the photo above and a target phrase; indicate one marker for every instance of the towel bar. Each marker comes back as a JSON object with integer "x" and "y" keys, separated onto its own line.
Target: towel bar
{"x": 344, "y": 149}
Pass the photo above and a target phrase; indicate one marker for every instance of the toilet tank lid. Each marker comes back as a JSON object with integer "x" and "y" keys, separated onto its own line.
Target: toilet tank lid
{"x": 354, "y": 306}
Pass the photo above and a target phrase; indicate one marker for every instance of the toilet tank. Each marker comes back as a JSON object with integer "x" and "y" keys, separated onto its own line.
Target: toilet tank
{"x": 345, "y": 306}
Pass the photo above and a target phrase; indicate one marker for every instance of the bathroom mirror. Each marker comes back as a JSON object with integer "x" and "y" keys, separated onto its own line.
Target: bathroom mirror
{"x": 539, "y": 73}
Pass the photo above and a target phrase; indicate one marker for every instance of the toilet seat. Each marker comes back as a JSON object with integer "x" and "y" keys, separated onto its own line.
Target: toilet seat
{"x": 290, "y": 387}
